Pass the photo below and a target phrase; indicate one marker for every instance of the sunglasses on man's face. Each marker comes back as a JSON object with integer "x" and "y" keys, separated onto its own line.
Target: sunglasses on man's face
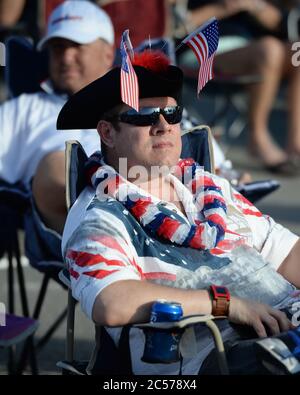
{"x": 149, "y": 116}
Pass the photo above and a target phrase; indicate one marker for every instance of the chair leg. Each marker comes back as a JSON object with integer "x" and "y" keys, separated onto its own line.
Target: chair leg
{"x": 27, "y": 351}
{"x": 40, "y": 344}
{"x": 41, "y": 297}
{"x": 24, "y": 299}
{"x": 11, "y": 360}
{"x": 32, "y": 358}
{"x": 29, "y": 344}
{"x": 14, "y": 252}
{"x": 70, "y": 327}
{"x": 11, "y": 309}
{"x": 11, "y": 295}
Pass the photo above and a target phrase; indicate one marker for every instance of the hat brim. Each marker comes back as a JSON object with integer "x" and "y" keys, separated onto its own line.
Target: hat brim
{"x": 85, "y": 108}
{"x": 77, "y": 38}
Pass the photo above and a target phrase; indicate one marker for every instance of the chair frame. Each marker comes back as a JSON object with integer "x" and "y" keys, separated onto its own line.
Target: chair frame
{"x": 12, "y": 252}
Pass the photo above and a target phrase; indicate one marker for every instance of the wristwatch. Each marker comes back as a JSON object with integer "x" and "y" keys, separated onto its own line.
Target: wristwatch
{"x": 220, "y": 300}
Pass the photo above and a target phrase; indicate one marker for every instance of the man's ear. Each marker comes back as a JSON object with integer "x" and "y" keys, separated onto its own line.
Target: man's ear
{"x": 109, "y": 56}
{"x": 106, "y": 133}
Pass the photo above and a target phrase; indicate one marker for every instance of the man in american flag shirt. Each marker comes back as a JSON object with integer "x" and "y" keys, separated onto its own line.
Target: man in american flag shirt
{"x": 136, "y": 234}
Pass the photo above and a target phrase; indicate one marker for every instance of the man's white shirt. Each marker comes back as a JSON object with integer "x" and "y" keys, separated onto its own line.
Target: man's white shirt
{"x": 28, "y": 133}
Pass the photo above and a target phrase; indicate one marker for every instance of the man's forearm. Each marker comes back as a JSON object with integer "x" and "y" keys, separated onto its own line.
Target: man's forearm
{"x": 130, "y": 301}
{"x": 290, "y": 267}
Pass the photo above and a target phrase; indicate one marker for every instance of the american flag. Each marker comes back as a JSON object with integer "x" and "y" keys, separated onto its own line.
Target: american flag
{"x": 204, "y": 42}
{"x": 129, "y": 81}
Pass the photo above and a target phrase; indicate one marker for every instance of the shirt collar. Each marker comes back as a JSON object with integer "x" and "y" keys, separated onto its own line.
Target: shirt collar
{"x": 47, "y": 87}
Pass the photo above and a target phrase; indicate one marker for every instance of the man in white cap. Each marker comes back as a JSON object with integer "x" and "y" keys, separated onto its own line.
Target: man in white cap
{"x": 80, "y": 39}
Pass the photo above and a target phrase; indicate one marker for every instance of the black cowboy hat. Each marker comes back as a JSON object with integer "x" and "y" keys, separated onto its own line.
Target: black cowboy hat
{"x": 84, "y": 109}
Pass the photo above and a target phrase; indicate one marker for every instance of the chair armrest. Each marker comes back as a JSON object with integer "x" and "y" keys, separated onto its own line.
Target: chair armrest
{"x": 277, "y": 357}
{"x": 256, "y": 190}
{"x": 181, "y": 324}
{"x": 188, "y": 321}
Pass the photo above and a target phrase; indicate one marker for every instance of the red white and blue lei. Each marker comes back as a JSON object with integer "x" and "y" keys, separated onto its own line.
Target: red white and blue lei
{"x": 210, "y": 225}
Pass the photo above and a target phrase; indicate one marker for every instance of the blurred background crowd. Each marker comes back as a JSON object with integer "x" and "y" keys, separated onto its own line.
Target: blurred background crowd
{"x": 254, "y": 48}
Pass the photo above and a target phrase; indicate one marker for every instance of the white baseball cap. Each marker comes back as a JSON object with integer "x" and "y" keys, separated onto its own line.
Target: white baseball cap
{"x": 80, "y": 21}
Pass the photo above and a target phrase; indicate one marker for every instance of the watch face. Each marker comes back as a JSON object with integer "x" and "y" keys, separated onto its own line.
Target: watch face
{"x": 220, "y": 292}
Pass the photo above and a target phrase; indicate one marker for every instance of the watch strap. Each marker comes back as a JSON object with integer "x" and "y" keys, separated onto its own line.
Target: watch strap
{"x": 220, "y": 307}
{"x": 220, "y": 302}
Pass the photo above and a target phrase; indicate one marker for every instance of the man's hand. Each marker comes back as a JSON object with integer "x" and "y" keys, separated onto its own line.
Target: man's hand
{"x": 259, "y": 316}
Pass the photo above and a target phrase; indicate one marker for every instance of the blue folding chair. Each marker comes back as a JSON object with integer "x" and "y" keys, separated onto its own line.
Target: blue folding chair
{"x": 14, "y": 201}
{"x": 25, "y": 70}
{"x": 25, "y": 67}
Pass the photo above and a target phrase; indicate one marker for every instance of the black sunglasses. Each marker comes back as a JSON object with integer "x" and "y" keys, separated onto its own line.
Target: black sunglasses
{"x": 148, "y": 116}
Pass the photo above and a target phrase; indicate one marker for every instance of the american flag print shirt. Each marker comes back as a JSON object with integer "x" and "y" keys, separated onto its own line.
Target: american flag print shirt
{"x": 103, "y": 243}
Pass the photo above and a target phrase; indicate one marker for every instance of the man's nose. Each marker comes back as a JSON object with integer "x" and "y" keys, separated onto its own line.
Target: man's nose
{"x": 161, "y": 126}
{"x": 68, "y": 54}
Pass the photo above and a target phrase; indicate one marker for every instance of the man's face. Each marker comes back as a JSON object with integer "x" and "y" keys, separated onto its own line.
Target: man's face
{"x": 148, "y": 146}
{"x": 73, "y": 66}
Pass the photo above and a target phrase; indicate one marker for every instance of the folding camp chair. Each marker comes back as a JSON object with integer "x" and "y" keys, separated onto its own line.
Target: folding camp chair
{"x": 196, "y": 144}
{"x": 22, "y": 59}
{"x": 275, "y": 353}
{"x": 14, "y": 201}
{"x": 201, "y": 150}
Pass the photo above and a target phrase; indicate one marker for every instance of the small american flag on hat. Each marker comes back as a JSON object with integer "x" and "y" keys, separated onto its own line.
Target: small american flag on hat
{"x": 129, "y": 81}
{"x": 204, "y": 42}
